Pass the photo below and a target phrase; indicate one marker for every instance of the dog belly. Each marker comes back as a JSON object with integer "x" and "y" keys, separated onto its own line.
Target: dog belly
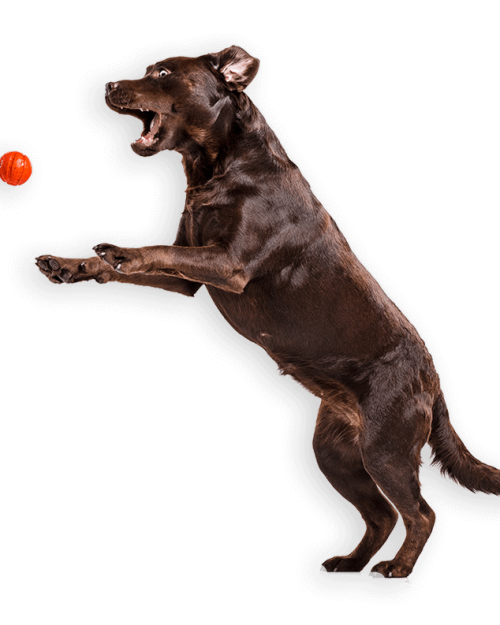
{"x": 308, "y": 343}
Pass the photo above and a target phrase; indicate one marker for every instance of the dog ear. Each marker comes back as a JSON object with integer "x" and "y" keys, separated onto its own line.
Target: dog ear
{"x": 236, "y": 66}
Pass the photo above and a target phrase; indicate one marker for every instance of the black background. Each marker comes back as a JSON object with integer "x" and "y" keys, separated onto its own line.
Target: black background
{"x": 145, "y": 439}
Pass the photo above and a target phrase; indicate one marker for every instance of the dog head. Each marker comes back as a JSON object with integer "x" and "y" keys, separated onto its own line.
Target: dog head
{"x": 181, "y": 100}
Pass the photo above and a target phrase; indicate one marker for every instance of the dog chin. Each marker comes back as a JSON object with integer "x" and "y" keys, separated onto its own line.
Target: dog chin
{"x": 145, "y": 150}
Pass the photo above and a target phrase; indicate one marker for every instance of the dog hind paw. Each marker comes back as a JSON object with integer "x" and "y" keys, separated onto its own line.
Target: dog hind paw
{"x": 392, "y": 568}
{"x": 343, "y": 564}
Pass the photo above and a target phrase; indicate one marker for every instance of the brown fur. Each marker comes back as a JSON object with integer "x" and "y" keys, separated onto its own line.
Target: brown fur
{"x": 282, "y": 274}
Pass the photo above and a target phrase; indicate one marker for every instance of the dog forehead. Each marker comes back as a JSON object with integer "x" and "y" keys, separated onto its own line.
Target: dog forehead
{"x": 185, "y": 63}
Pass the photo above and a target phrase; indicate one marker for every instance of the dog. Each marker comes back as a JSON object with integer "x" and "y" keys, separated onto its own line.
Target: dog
{"x": 282, "y": 274}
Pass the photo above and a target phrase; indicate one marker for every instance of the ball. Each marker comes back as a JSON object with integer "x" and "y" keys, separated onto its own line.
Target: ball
{"x": 15, "y": 168}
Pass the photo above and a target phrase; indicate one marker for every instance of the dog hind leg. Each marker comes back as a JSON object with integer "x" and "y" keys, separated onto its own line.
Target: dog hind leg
{"x": 392, "y": 458}
{"x": 336, "y": 446}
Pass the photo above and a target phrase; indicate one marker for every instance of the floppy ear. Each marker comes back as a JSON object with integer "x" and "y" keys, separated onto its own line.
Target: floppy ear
{"x": 236, "y": 66}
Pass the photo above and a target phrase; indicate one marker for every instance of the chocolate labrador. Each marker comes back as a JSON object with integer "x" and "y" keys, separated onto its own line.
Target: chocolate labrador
{"x": 282, "y": 274}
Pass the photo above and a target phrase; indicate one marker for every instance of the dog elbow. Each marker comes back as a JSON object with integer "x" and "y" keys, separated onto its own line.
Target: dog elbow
{"x": 237, "y": 282}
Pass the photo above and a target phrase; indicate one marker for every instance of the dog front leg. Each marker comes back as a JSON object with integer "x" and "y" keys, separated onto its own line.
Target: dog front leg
{"x": 210, "y": 265}
{"x": 71, "y": 270}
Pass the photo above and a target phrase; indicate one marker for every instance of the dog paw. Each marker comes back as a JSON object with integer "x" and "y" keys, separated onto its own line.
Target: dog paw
{"x": 392, "y": 568}
{"x": 123, "y": 260}
{"x": 59, "y": 270}
{"x": 70, "y": 270}
{"x": 343, "y": 564}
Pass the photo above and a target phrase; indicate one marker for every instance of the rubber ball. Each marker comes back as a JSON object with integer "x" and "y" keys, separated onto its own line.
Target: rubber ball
{"x": 15, "y": 168}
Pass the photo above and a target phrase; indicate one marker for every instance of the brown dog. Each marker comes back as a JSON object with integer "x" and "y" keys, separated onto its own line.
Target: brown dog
{"x": 282, "y": 274}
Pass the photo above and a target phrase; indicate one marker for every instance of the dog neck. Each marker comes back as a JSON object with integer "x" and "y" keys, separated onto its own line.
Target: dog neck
{"x": 238, "y": 126}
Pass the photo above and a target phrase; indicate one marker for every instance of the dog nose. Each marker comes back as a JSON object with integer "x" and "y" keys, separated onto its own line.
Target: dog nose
{"x": 110, "y": 86}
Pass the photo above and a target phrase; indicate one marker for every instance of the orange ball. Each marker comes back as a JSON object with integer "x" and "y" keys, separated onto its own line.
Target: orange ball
{"x": 15, "y": 168}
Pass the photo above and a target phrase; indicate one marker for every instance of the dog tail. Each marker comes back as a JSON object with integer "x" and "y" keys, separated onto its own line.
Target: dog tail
{"x": 454, "y": 458}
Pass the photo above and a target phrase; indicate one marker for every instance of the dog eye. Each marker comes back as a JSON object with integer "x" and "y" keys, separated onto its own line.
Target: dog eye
{"x": 163, "y": 73}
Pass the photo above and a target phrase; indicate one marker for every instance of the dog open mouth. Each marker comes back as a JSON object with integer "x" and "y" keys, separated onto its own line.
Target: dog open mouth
{"x": 150, "y": 127}
{"x": 151, "y": 121}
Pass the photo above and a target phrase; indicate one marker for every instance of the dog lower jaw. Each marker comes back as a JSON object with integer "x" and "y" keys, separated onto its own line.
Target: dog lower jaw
{"x": 148, "y": 144}
{"x": 143, "y": 149}
{"x": 146, "y": 140}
